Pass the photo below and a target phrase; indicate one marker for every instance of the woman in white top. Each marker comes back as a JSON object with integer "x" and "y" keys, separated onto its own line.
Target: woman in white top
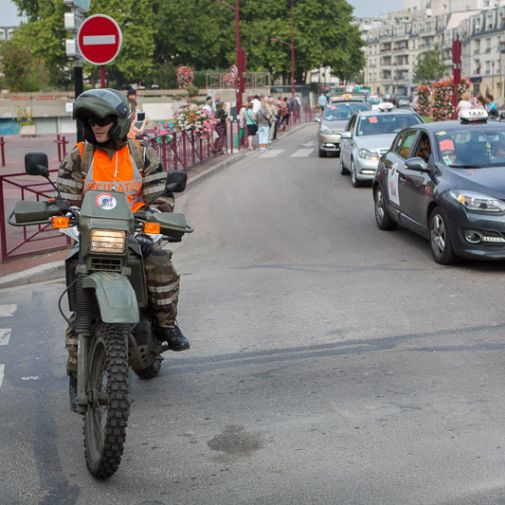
{"x": 464, "y": 104}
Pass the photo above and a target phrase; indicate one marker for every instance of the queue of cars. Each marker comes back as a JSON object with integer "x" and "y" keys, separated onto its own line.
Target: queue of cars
{"x": 444, "y": 181}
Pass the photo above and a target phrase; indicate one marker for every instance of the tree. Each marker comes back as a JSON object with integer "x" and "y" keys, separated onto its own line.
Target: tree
{"x": 430, "y": 67}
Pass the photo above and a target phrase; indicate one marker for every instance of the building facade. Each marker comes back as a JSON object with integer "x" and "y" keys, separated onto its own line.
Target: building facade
{"x": 395, "y": 43}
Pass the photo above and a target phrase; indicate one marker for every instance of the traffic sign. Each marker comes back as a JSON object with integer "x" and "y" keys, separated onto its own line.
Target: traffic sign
{"x": 99, "y": 39}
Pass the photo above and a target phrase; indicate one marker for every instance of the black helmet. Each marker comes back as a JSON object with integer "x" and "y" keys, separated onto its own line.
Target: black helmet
{"x": 100, "y": 103}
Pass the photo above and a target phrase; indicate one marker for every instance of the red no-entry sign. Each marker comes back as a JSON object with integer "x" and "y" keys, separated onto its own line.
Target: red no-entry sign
{"x": 99, "y": 39}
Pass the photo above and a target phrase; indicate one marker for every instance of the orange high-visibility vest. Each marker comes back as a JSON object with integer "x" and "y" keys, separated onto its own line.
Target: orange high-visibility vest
{"x": 117, "y": 174}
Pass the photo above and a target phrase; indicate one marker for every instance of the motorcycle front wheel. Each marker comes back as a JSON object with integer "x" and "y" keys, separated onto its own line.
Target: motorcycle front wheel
{"x": 106, "y": 418}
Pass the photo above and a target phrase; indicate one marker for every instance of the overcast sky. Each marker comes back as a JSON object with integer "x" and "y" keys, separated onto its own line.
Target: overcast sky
{"x": 362, "y": 8}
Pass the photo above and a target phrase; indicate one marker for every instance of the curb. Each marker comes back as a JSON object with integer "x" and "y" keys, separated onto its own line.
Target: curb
{"x": 56, "y": 269}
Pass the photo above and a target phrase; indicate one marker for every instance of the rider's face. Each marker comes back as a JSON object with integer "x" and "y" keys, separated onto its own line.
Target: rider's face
{"x": 101, "y": 131}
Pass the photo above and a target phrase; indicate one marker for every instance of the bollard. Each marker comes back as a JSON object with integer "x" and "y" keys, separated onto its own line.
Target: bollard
{"x": 2, "y": 150}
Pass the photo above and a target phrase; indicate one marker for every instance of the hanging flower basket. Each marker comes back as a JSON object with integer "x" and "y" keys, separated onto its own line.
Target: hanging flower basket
{"x": 184, "y": 77}
{"x": 195, "y": 120}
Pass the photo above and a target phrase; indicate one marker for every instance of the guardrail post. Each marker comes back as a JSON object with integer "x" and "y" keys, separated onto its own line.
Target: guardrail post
{"x": 64, "y": 143}
{"x": 3, "y": 234}
{"x": 2, "y": 150}
{"x": 231, "y": 137}
{"x": 58, "y": 144}
{"x": 164, "y": 153}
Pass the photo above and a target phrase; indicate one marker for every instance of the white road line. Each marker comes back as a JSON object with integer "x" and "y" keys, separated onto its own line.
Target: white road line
{"x": 5, "y": 335}
{"x": 309, "y": 144}
{"x": 7, "y": 310}
{"x": 302, "y": 153}
{"x": 271, "y": 153}
{"x": 2, "y": 371}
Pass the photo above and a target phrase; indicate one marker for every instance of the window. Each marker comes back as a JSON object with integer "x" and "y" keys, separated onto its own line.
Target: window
{"x": 423, "y": 148}
{"x": 404, "y": 143}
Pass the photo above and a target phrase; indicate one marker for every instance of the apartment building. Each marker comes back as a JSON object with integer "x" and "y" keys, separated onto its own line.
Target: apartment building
{"x": 6, "y": 32}
{"x": 395, "y": 43}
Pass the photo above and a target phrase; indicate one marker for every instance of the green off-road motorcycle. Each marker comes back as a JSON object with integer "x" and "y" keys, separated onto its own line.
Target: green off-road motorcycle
{"x": 106, "y": 289}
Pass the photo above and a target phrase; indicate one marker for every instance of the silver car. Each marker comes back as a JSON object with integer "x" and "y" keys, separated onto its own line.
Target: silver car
{"x": 367, "y": 137}
{"x": 334, "y": 118}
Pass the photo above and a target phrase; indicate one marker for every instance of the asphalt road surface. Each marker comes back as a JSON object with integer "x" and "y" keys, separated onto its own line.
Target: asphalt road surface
{"x": 331, "y": 362}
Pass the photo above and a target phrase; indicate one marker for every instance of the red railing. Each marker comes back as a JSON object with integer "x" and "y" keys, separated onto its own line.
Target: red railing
{"x": 25, "y": 241}
{"x": 178, "y": 150}
{"x": 2, "y": 150}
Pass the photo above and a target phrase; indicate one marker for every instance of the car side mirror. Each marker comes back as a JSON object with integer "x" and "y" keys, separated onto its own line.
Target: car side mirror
{"x": 176, "y": 182}
{"x": 417, "y": 164}
{"x": 37, "y": 164}
{"x": 346, "y": 135}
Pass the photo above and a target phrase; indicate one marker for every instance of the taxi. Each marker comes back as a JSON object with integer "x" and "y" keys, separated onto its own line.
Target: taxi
{"x": 446, "y": 182}
{"x": 333, "y": 120}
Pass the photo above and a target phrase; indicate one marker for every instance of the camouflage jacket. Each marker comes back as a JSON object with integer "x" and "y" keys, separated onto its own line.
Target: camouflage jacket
{"x": 72, "y": 174}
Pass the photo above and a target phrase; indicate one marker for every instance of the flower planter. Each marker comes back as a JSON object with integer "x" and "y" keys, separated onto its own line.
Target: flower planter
{"x": 28, "y": 130}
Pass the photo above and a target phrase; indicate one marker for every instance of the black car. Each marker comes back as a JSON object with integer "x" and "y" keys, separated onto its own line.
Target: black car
{"x": 446, "y": 181}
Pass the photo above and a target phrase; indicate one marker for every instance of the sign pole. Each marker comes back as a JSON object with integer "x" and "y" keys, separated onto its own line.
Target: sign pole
{"x": 102, "y": 76}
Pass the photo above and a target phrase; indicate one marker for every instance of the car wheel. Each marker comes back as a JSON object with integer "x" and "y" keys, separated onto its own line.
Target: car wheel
{"x": 440, "y": 238}
{"x": 343, "y": 170}
{"x": 356, "y": 183}
{"x": 382, "y": 215}
{"x": 322, "y": 154}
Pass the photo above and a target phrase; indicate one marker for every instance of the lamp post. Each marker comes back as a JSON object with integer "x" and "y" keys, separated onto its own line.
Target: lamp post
{"x": 240, "y": 63}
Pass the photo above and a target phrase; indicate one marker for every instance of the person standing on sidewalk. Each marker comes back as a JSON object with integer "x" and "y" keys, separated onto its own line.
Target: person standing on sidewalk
{"x": 323, "y": 101}
{"x": 251, "y": 124}
{"x": 263, "y": 118}
{"x": 274, "y": 112}
{"x": 108, "y": 157}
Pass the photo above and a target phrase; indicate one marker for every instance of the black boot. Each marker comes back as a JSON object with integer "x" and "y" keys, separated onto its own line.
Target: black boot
{"x": 174, "y": 338}
{"x": 72, "y": 393}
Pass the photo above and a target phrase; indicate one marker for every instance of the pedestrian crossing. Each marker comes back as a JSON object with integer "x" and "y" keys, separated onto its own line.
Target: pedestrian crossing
{"x": 5, "y": 334}
{"x": 274, "y": 153}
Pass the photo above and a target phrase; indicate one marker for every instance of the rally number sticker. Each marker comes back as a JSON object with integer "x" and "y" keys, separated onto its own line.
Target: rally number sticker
{"x": 394, "y": 195}
{"x": 106, "y": 201}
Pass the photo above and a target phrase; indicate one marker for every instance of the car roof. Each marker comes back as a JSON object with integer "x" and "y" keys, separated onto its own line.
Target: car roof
{"x": 455, "y": 125}
{"x": 402, "y": 112}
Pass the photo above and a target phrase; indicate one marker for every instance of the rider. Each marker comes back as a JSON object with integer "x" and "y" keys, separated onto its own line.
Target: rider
{"x": 107, "y": 156}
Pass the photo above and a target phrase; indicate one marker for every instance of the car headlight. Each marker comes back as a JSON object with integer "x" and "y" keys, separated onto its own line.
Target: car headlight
{"x": 478, "y": 202}
{"x": 325, "y": 130}
{"x": 108, "y": 241}
{"x": 368, "y": 155}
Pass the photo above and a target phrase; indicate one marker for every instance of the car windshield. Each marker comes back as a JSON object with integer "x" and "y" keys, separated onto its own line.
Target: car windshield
{"x": 343, "y": 111}
{"x": 374, "y": 100}
{"x": 384, "y": 123}
{"x": 473, "y": 146}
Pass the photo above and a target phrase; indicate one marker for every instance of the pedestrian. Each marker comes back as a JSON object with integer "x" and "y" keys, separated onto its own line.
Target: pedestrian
{"x": 286, "y": 114}
{"x": 106, "y": 157}
{"x": 263, "y": 119}
{"x": 242, "y": 122}
{"x": 208, "y": 106}
{"x": 138, "y": 123}
{"x": 322, "y": 101}
{"x": 220, "y": 117}
{"x": 464, "y": 104}
{"x": 274, "y": 121}
{"x": 256, "y": 104}
{"x": 251, "y": 124}
{"x": 491, "y": 107}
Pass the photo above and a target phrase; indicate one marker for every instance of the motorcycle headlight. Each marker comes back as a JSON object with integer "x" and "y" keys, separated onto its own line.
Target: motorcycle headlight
{"x": 368, "y": 155}
{"x": 478, "y": 202}
{"x": 108, "y": 241}
{"x": 325, "y": 130}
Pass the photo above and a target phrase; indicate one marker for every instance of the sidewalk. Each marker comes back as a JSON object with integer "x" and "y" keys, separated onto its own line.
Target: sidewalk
{"x": 46, "y": 266}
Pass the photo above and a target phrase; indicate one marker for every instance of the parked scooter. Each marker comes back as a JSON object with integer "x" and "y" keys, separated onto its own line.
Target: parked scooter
{"x": 106, "y": 289}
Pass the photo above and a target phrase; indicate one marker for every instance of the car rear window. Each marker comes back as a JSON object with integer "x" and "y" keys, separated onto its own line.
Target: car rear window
{"x": 343, "y": 111}
{"x": 384, "y": 123}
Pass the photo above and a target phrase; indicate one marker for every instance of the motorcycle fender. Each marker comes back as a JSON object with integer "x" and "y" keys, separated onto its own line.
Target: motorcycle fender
{"x": 115, "y": 296}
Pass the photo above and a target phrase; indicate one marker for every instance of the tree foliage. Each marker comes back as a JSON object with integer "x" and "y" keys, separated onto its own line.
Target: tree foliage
{"x": 430, "y": 67}
{"x": 159, "y": 35}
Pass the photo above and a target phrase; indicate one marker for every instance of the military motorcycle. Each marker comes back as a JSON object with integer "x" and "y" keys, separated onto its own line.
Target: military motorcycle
{"x": 106, "y": 290}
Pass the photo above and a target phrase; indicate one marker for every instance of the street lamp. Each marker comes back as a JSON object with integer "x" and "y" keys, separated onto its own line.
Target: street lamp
{"x": 239, "y": 89}
{"x": 292, "y": 45}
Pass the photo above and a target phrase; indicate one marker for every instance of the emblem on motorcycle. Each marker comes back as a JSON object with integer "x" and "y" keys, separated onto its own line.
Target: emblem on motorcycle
{"x": 106, "y": 201}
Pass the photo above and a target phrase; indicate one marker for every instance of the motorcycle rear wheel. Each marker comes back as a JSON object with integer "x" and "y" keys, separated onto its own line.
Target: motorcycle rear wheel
{"x": 106, "y": 419}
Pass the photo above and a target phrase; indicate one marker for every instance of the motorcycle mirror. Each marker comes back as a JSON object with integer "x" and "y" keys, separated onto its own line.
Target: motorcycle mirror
{"x": 37, "y": 164}
{"x": 176, "y": 182}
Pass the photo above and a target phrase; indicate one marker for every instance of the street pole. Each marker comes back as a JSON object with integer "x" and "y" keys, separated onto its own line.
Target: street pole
{"x": 239, "y": 86}
{"x": 293, "y": 48}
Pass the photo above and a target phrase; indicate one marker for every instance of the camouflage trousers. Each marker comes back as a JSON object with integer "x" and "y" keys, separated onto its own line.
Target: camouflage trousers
{"x": 163, "y": 292}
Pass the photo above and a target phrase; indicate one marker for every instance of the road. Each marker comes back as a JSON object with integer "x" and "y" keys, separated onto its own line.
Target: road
{"x": 331, "y": 362}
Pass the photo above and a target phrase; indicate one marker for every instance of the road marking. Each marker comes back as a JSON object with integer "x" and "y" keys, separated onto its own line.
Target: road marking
{"x": 5, "y": 335}
{"x": 302, "y": 153}
{"x": 7, "y": 310}
{"x": 2, "y": 371}
{"x": 309, "y": 144}
{"x": 271, "y": 153}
